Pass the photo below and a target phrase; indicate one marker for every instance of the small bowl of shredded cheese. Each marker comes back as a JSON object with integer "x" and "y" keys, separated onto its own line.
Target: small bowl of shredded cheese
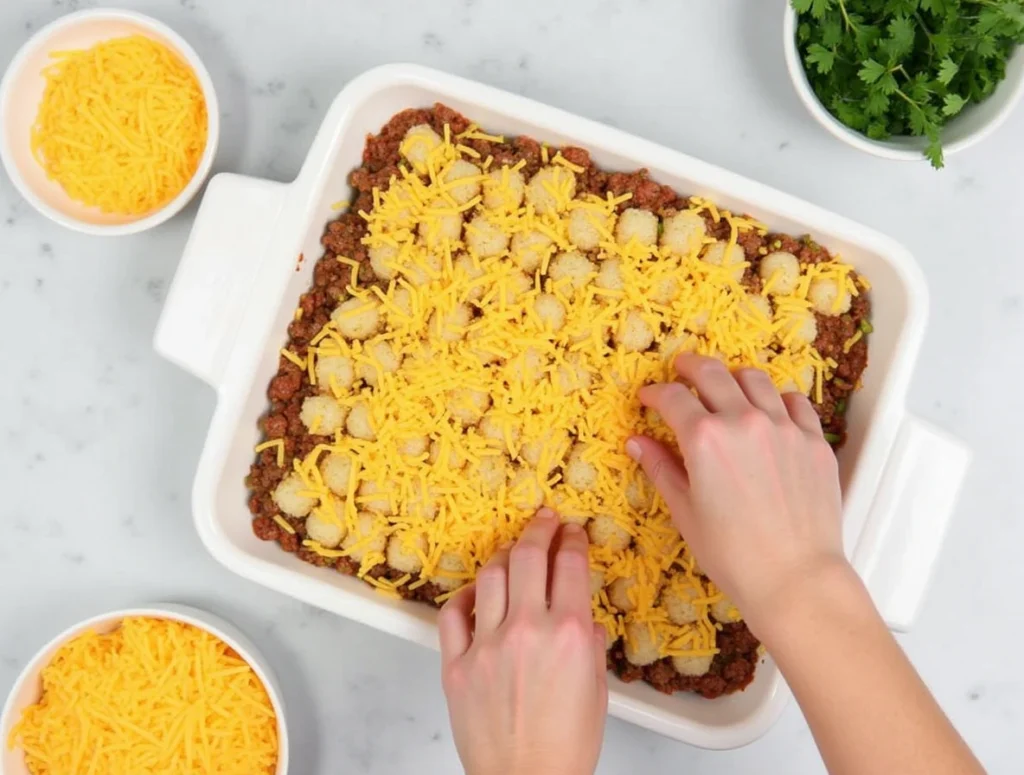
{"x": 151, "y": 690}
{"x": 108, "y": 122}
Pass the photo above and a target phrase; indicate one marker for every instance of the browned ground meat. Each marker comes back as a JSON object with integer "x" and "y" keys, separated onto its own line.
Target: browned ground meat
{"x": 733, "y": 668}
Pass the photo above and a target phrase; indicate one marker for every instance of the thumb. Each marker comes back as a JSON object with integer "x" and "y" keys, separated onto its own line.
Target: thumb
{"x": 666, "y": 473}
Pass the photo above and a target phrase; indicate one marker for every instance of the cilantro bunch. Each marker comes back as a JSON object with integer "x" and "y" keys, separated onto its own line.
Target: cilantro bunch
{"x": 905, "y": 67}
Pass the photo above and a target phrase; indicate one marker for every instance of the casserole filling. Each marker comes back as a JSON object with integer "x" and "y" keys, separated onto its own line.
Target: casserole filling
{"x": 471, "y": 349}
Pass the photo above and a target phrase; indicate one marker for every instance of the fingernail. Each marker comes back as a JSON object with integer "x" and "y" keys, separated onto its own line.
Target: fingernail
{"x": 572, "y": 528}
{"x": 545, "y": 513}
{"x": 634, "y": 450}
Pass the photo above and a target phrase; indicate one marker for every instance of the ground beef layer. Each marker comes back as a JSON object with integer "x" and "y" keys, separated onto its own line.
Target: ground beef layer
{"x": 733, "y": 668}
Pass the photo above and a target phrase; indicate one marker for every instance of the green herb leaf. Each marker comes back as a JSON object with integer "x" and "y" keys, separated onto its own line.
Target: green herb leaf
{"x": 901, "y": 38}
{"x": 821, "y": 57}
{"x": 953, "y": 104}
{"x": 871, "y": 71}
{"x": 947, "y": 71}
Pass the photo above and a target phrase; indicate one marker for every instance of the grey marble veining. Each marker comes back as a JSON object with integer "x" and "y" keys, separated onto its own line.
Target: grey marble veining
{"x": 99, "y": 437}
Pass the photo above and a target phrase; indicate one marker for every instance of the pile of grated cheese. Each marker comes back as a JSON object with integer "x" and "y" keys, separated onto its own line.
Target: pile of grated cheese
{"x": 493, "y": 364}
{"x": 153, "y": 696}
{"x": 121, "y": 126}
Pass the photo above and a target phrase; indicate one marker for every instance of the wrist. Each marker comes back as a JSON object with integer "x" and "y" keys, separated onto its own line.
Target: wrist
{"x": 827, "y": 589}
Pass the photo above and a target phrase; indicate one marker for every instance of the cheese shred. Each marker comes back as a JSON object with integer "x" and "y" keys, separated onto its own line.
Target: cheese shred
{"x": 153, "y": 696}
{"x": 121, "y": 126}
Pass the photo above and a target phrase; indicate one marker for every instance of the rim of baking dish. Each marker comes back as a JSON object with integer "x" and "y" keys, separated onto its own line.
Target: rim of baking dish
{"x": 242, "y": 362}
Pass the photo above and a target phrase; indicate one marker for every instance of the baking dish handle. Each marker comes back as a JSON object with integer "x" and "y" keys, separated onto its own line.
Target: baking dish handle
{"x": 907, "y": 523}
{"x": 223, "y": 254}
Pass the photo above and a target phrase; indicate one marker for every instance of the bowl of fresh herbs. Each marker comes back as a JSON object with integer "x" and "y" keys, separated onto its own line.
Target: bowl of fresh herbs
{"x": 907, "y": 79}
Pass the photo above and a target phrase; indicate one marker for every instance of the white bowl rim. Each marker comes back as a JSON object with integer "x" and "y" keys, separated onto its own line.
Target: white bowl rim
{"x": 183, "y": 48}
{"x": 186, "y": 614}
{"x": 882, "y": 148}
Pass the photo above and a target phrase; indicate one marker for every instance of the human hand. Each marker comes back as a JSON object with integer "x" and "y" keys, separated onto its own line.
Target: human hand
{"x": 756, "y": 491}
{"x": 525, "y": 677}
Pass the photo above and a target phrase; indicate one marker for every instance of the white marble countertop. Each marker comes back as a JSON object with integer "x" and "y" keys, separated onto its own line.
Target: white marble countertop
{"x": 100, "y": 436}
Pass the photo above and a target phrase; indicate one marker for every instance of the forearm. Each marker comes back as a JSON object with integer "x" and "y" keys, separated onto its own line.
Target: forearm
{"x": 866, "y": 706}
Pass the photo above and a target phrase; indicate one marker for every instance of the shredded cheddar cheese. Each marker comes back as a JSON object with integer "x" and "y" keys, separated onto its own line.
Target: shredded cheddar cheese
{"x": 153, "y": 696}
{"x": 524, "y": 385}
{"x": 121, "y": 126}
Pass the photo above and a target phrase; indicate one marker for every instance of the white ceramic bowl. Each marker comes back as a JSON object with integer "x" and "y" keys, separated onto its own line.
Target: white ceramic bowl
{"x": 21, "y": 91}
{"x": 235, "y": 291}
{"x": 972, "y": 125}
{"x": 28, "y": 688}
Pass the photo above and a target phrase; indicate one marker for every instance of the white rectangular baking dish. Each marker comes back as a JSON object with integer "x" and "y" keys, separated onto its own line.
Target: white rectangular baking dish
{"x": 240, "y": 277}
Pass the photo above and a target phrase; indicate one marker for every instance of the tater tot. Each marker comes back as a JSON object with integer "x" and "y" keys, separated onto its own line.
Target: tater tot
{"x": 618, "y": 594}
{"x": 572, "y": 375}
{"x": 634, "y": 334}
{"x": 291, "y": 498}
{"x": 580, "y": 474}
{"x": 369, "y": 536}
{"x": 721, "y": 254}
{"x": 641, "y": 647}
{"x": 674, "y": 344}
{"x": 423, "y": 274}
{"x": 383, "y": 261}
{"x": 485, "y": 238}
{"x": 504, "y": 189}
{"x": 530, "y": 248}
{"x": 401, "y": 553}
{"x": 605, "y": 531}
{"x": 666, "y": 290}
{"x": 468, "y": 405}
{"x": 550, "y": 188}
{"x": 468, "y": 269}
{"x": 639, "y": 225}
{"x": 450, "y": 563}
{"x": 436, "y": 230}
{"x": 548, "y": 448}
{"x": 413, "y": 446}
{"x": 465, "y": 171}
{"x": 677, "y": 598}
{"x": 375, "y": 497}
{"x": 455, "y": 461}
{"x": 500, "y": 430}
{"x": 336, "y": 468}
{"x": 327, "y": 534}
{"x": 692, "y": 666}
{"x": 422, "y": 501}
{"x": 609, "y": 276}
{"x": 572, "y": 267}
{"x": 550, "y": 311}
{"x": 360, "y": 423}
{"x": 524, "y": 490}
{"x": 527, "y": 367}
{"x": 725, "y": 611}
{"x": 334, "y": 372}
{"x": 798, "y": 328}
{"x": 784, "y": 267}
{"x": 758, "y": 307}
{"x": 803, "y": 384}
{"x": 583, "y": 228}
{"x": 451, "y": 326}
{"x": 683, "y": 233}
{"x": 492, "y": 473}
{"x": 322, "y": 415}
{"x": 417, "y": 144}
{"x": 386, "y": 356}
{"x": 823, "y": 294}
{"x": 357, "y": 318}
{"x": 640, "y": 492}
